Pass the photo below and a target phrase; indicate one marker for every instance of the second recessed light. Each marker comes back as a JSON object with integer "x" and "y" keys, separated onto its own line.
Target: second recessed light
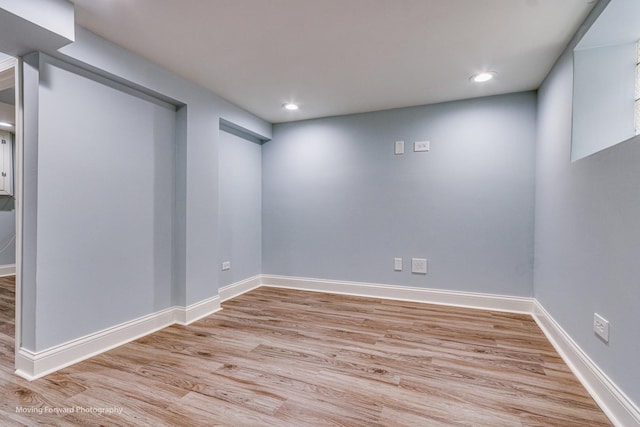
{"x": 483, "y": 77}
{"x": 290, "y": 106}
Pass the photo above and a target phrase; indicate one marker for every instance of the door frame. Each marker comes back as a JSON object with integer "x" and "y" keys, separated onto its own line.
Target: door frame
{"x": 16, "y": 64}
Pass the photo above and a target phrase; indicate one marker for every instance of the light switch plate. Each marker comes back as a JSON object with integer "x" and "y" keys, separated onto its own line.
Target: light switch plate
{"x": 226, "y": 265}
{"x": 399, "y": 147}
{"x": 397, "y": 264}
{"x": 421, "y": 146}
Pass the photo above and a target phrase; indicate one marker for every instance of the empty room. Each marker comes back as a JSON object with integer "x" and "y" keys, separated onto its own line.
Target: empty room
{"x": 319, "y": 213}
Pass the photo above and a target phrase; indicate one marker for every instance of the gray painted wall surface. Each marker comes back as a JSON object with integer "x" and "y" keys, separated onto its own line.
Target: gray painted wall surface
{"x": 195, "y": 221}
{"x": 56, "y": 16}
{"x": 587, "y": 235}
{"x": 26, "y": 26}
{"x": 8, "y": 96}
{"x": 198, "y": 170}
{"x": 105, "y": 206}
{"x": 7, "y": 231}
{"x": 240, "y": 207}
{"x": 338, "y": 204}
{"x": 8, "y": 225}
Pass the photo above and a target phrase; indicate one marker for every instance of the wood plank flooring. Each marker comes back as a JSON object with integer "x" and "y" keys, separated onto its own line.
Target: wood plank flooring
{"x": 277, "y": 357}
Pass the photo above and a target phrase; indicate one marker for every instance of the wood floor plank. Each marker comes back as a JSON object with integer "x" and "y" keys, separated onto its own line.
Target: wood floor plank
{"x": 213, "y": 411}
{"x": 278, "y": 357}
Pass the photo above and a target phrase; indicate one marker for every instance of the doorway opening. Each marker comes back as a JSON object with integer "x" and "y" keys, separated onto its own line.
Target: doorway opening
{"x": 8, "y": 211}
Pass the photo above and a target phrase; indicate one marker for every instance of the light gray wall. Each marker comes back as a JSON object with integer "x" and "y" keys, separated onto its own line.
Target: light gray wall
{"x": 105, "y": 206}
{"x": 603, "y": 93}
{"x": 197, "y": 171}
{"x": 338, "y": 204}
{"x": 194, "y": 255}
{"x": 587, "y": 235}
{"x": 240, "y": 207}
{"x": 7, "y": 231}
{"x": 8, "y": 96}
{"x": 56, "y": 16}
{"x": 7, "y": 203}
{"x": 8, "y": 227}
{"x": 26, "y": 26}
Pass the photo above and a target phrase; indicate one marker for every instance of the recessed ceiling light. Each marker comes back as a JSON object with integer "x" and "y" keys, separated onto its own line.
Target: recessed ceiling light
{"x": 290, "y": 106}
{"x": 5, "y": 124}
{"x": 483, "y": 77}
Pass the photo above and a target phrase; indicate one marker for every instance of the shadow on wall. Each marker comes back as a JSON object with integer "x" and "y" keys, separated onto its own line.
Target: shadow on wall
{"x": 7, "y": 204}
{"x": 7, "y": 230}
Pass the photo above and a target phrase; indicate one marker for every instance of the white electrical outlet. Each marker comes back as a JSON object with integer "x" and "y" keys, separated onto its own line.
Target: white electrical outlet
{"x": 399, "y": 147}
{"x": 419, "y": 265}
{"x": 421, "y": 146}
{"x": 397, "y": 264}
{"x": 226, "y": 265}
{"x": 601, "y": 327}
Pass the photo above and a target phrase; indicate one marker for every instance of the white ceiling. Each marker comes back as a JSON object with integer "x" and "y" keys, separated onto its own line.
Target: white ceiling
{"x": 342, "y": 56}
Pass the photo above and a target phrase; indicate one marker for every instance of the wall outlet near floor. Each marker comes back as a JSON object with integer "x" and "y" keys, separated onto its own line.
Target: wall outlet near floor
{"x": 397, "y": 264}
{"x": 601, "y": 327}
{"x": 226, "y": 265}
{"x": 419, "y": 265}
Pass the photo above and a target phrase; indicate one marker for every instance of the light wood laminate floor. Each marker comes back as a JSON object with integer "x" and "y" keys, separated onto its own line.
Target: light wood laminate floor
{"x": 275, "y": 357}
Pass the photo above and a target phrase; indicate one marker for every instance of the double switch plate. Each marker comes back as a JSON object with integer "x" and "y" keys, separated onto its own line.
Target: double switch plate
{"x": 418, "y": 265}
{"x": 417, "y": 146}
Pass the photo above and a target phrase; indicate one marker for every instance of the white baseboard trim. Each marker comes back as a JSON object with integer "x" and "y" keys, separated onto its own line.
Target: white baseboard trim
{"x": 404, "y": 293}
{"x": 7, "y": 270}
{"x": 615, "y": 404}
{"x": 33, "y": 365}
{"x": 236, "y": 289}
{"x": 187, "y": 315}
{"x": 618, "y": 407}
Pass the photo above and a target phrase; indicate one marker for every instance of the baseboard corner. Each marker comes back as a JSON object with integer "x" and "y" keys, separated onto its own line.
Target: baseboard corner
{"x": 194, "y": 312}
{"x": 238, "y": 288}
{"x": 33, "y": 365}
{"x": 7, "y": 270}
{"x": 613, "y": 402}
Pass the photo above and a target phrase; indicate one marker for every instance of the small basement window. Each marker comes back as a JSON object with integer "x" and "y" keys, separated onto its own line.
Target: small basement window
{"x": 637, "y": 95}
{"x": 606, "y": 81}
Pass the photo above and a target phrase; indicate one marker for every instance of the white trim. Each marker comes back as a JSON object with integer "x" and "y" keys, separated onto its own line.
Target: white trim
{"x": 7, "y": 270}
{"x": 18, "y": 194}
{"x": 615, "y": 404}
{"x": 405, "y": 293}
{"x": 33, "y": 365}
{"x": 235, "y": 289}
{"x": 188, "y": 315}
